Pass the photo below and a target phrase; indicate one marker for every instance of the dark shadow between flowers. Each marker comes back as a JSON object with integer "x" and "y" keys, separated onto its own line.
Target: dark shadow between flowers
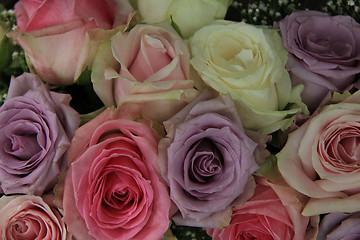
{"x": 185, "y": 232}
{"x": 84, "y": 99}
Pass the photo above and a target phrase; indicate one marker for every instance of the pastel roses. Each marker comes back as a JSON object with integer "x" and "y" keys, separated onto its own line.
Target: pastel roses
{"x": 36, "y": 127}
{"x": 208, "y": 161}
{"x": 323, "y": 60}
{"x": 112, "y": 190}
{"x": 214, "y": 97}
{"x": 320, "y": 158}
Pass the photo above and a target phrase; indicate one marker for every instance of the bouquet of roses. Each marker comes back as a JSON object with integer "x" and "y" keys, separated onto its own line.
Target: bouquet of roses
{"x": 153, "y": 119}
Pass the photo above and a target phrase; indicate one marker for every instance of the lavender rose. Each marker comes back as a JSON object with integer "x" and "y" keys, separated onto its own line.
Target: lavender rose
{"x": 336, "y": 226}
{"x": 30, "y": 217}
{"x": 322, "y": 60}
{"x": 208, "y": 161}
{"x": 36, "y": 126}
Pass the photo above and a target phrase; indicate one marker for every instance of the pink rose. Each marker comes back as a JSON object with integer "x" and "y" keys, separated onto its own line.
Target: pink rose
{"x": 148, "y": 65}
{"x": 28, "y": 217}
{"x": 55, "y": 34}
{"x": 321, "y": 158}
{"x": 323, "y": 60}
{"x": 272, "y": 213}
{"x": 112, "y": 189}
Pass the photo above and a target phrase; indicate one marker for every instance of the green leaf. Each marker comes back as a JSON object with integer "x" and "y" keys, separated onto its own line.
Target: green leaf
{"x": 175, "y": 26}
{"x": 85, "y": 77}
{"x": 6, "y": 50}
{"x": 269, "y": 168}
{"x": 84, "y": 118}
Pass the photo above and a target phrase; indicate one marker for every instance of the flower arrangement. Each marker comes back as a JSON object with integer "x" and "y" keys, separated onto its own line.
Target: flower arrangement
{"x": 179, "y": 119}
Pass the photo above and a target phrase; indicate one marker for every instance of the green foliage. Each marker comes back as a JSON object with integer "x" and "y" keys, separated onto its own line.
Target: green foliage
{"x": 12, "y": 56}
{"x": 6, "y": 50}
{"x": 175, "y": 26}
{"x": 269, "y": 168}
{"x": 343, "y": 7}
{"x": 3, "y": 91}
{"x": 7, "y": 18}
{"x": 189, "y": 233}
{"x": 270, "y": 11}
{"x": 85, "y": 77}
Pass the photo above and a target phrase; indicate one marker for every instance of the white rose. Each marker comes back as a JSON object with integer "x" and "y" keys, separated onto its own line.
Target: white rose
{"x": 248, "y": 63}
{"x": 189, "y": 15}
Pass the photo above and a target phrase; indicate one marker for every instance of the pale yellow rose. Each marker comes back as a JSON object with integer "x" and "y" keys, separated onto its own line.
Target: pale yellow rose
{"x": 248, "y": 63}
{"x": 189, "y": 15}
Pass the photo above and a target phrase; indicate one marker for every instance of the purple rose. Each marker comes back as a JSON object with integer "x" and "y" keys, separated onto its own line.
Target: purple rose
{"x": 324, "y": 53}
{"x": 208, "y": 161}
{"x": 36, "y": 127}
{"x": 336, "y": 226}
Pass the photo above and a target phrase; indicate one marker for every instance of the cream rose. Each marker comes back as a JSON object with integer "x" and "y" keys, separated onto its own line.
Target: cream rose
{"x": 248, "y": 63}
{"x": 204, "y": 12}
